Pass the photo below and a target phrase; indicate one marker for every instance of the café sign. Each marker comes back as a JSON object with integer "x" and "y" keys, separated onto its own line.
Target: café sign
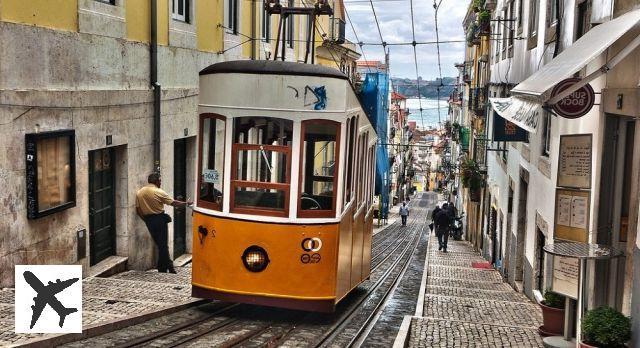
{"x": 576, "y": 104}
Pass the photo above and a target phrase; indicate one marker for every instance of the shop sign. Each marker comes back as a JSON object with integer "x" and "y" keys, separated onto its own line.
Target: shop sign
{"x": 575, "y": 105}
{"x": 504, "y": 130}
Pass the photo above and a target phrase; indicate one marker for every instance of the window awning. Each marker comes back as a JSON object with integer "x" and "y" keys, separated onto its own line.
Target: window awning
{"x": 577, "y": 56}
{"x": 524, "y": 113}
{"x": 525, "y": 107}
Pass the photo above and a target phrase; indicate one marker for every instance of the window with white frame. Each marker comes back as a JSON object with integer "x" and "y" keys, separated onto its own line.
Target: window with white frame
{"x": 231, "y": 16}
{"x": 266, "y": 26}
{"x": 546, "y": 134}
{"x": 552, "y": 13}
{"x": 533, "y": 17}
{"x": 290, "y": 21}
{"x": 180, "y": 10}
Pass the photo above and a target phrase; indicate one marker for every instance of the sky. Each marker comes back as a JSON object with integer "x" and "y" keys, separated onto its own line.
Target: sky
{"x": 394, "y": 17}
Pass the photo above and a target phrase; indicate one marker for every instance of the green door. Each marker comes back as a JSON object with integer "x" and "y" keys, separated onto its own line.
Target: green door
{"x": 180, "y": 193}
{"x": 102, "y": 229}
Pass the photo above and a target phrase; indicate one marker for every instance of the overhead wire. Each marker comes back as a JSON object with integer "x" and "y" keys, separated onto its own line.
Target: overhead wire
{"x": 436, "y": 6}
{"x": 415, "y": 60}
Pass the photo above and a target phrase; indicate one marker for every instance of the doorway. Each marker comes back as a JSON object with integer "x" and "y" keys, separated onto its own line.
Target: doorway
{"x": 540, "y": 260}
{"x": 615, "y": 208}
{"x": 102, "y": 230}
{"x": 180, "y": 193}
{"x": 522, "y": 226}
{"x": 493, "y": 224}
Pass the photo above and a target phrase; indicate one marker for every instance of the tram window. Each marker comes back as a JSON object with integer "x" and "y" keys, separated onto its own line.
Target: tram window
{"x": 351, "y": 129}
{"x": 318, "y": 168}
{"x": 211, "y": 162}
{"x": 261, "y": 165}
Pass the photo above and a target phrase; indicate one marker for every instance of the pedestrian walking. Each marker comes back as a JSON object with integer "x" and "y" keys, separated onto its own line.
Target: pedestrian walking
{"x": 404, "y": 213}
{"x": 435, "y": 212}
{"x": 150, "y": 201}
{"x": 443, "y": 222}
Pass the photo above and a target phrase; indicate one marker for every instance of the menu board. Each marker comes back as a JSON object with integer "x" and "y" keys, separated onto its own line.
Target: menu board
{"x": 566, "y": 272}
{"x": 572, "y": 214}
{"x": 574, "y": 161}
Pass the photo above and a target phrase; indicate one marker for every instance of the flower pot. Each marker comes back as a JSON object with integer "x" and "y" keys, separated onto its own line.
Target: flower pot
{"x": 474, "y": 195}
{"x": 584, "y": 345}
{"x": 552, "y": 320}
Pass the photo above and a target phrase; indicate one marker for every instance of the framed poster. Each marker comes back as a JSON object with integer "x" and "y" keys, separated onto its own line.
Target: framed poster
{"x": 572, "y": 215}
{"x": 574, "y": 161}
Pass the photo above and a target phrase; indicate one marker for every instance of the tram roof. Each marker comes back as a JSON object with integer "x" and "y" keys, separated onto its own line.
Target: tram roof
{"x": 273, "y": 67}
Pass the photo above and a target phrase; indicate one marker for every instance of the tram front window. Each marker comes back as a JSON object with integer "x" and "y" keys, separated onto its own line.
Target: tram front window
{"x": 212, "y": 161}
{"x": 319, "y": 168}
{"x": 261, "y": 165}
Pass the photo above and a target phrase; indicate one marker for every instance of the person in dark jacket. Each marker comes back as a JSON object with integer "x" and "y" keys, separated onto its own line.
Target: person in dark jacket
{"x": 442, "y": 222}
{"x": 435, "y": 212}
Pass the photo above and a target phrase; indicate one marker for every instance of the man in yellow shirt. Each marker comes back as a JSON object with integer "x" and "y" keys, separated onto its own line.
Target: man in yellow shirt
{"x": 150, "y": 201}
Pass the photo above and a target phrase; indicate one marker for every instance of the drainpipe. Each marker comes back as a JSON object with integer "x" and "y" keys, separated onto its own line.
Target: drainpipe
{"x": 155, "y": 85}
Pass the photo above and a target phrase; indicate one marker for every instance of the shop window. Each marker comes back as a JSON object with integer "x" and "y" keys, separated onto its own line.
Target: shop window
{"x": 180, "y": 10}
{"x": 261, "y": 166}
{"x": 50, "y": 172}
{"x": 319, "y": 168}
{"x": 212, "y": 145}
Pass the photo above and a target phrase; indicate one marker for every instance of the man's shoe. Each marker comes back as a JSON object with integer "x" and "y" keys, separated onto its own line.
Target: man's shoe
{"x": 172, "y": 270}
{"x": 440, "y": 247}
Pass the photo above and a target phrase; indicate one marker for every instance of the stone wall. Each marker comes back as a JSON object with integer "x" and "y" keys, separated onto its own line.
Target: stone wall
{"x": 98, "y": 86}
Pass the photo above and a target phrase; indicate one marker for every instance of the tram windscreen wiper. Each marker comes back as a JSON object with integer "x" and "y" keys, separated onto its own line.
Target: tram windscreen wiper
{"x": 264, "y": 155}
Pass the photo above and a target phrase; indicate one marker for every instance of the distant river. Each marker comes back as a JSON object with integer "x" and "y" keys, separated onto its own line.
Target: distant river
{"x": 429, "y": 112}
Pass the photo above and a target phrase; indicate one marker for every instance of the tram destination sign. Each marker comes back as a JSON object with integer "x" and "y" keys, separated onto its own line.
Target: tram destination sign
{"x": 575, "y": 105}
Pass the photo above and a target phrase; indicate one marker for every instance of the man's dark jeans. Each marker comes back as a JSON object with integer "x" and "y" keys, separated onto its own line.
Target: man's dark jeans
{"x": 157, "y": 226}
{"x": 443, "y": 237}
{"x": 404, "y": 219}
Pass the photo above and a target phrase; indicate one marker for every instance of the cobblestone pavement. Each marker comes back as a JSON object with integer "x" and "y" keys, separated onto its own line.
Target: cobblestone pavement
{"x": 109, "y": 299}
{"x": 468, "y": 307}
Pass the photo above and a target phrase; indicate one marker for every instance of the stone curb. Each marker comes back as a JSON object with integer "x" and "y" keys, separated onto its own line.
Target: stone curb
{"x": 425, "y": 279}
{"x": 403, "y": 333}
{"x": 108, "y": 326}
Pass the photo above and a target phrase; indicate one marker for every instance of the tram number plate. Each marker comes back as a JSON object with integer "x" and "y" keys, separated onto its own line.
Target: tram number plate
{"x": 211, "y": 176}
{"x": 310, "y": 258}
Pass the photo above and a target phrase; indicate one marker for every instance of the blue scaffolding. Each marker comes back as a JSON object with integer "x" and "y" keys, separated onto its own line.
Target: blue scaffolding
{"x": 374, "y": 97}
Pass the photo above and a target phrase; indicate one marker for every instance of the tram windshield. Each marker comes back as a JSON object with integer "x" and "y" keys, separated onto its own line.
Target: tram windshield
{"x": 261, "y": 165}
{"x": 318, "y": 168}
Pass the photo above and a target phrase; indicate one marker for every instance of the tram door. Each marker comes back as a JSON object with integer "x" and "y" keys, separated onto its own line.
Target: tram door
{"x": 180, "y": 193}
{"x": 102, "y": 229}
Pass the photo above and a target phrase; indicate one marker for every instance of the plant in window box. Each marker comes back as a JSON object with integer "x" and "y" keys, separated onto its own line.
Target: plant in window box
{"x": 478, "y": 5}
{"x": 484, "y": 23}
{"x": 605, "y": 327}
{"x": 471, "y": 178}
{"x": 455, "y": 131}
{"x": 447, "y": 128}
{"x": 472, "y": 38}
{"x": 552, "y": 314}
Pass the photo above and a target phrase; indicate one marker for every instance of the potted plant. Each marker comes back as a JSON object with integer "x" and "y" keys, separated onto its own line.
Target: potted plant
{"x": 484, "y": 23}
{"x": 478, "y": 5}
{"x": 605, "y": 328}
{"x": 471, "y": 178}
{"x": 552, "y": 314}
{"x": 472, "y": 38}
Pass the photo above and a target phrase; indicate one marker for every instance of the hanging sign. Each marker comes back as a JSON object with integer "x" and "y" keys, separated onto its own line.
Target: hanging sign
{"x": 504, "y": 130}
{"x": 575, "y": 105}
{"x": 524, "y": 113}
{"x": 574, "y": 161}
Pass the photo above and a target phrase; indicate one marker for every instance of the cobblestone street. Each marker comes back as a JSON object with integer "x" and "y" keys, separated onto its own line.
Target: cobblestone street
{"x": 469, "y": 307}
{"x": 105, "y": 300}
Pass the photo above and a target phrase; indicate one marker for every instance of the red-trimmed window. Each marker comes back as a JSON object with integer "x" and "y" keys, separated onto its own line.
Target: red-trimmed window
{"x": 261, "y": 166}
{"x": 211, "y": 165}
{"x": 319, "y": 151}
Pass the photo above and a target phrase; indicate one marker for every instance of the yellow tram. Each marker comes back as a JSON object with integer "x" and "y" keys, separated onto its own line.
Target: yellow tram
{"x": 284, "y": 213}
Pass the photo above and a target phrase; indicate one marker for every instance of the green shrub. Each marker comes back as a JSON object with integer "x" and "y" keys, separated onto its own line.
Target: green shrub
{"x": 478, "y": 5}
{"x": 552, "y": 299}
{"x": 606, "y": 328}
{"x": 484, "y": 16}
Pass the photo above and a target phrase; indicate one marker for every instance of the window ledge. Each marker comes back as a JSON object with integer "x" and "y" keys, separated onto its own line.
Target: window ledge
{"x": 532, "y": 42}
{"x": 544, "y": 166}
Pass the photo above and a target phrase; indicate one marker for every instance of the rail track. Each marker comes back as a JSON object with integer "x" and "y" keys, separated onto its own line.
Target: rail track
{"x": 238, "y": 325}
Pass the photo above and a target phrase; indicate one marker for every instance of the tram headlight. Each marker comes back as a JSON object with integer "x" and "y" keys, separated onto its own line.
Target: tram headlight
{"x": 255, "y": 259}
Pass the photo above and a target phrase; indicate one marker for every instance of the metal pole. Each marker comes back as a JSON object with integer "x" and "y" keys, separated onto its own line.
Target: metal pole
{"x": 581, "y": 299}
